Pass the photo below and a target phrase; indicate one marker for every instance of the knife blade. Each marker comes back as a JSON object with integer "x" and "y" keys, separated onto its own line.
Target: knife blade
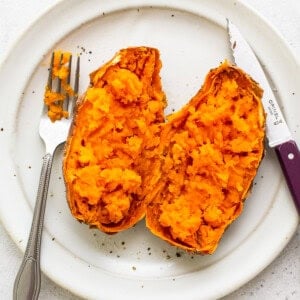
{"x": 277, "y": 132}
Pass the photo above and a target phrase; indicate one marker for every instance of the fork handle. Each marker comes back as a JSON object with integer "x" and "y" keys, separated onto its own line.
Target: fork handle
{"x": 28, "y": 280}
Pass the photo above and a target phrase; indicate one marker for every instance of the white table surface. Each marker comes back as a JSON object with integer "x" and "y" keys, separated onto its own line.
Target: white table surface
{"x": 280, "y": 280}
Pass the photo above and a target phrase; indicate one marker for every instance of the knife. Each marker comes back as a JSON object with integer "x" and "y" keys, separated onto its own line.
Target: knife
{"x": 277, "y": 132}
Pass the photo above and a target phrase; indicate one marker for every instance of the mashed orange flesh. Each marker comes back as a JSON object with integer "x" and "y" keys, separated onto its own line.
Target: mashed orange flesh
{"x": 111, "y": 147}
{"x": 54, "y": 99}
{"x": 211, "y": 150}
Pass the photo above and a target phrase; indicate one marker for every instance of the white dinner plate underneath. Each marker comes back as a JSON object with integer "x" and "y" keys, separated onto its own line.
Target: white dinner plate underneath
{"x": 191, "y": 37}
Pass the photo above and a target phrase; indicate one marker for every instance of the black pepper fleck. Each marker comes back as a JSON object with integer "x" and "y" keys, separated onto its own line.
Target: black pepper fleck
{"x": 178, "y": 254}
{"x": 133, "y": 268}
{"x": 53, "y": 238}
{"x": 2, "y": 129}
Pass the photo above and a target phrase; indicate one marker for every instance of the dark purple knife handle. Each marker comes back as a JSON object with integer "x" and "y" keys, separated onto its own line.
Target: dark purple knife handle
{"x": 289, "y": 158}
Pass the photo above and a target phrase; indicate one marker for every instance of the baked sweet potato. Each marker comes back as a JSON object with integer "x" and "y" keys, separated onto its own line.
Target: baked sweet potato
{"x": 111, "y": 147}
{"x": 210, "y": 152}
{"x": 189, "y": 175}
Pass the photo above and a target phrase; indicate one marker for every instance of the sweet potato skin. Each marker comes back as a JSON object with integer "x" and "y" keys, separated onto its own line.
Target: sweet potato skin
{"x": 211, "y": 150}
{"x": 109, "y": 149}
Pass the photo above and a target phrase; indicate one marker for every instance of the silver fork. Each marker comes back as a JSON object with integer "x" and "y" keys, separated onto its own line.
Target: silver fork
{"x": 28, "y": 280}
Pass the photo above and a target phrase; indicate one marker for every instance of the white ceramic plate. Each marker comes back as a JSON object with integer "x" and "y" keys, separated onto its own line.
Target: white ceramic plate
{"x": 191, "y": 37}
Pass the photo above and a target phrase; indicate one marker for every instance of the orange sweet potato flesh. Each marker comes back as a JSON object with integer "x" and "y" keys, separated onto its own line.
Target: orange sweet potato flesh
{"x": 210, "y": 152}
{"x": 110, "y": 151}
{"x": 54, "y": 99}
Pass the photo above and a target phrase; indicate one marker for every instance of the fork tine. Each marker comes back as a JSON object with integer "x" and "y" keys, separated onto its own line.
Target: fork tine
{"x": 58, "y": 89}
{"x": 76, "y": 85}
{"x": 49, "y": 82}
{"x": 59, "y": 81}
{"x": 67, "y": 99}
{"x": 76, "y": 88}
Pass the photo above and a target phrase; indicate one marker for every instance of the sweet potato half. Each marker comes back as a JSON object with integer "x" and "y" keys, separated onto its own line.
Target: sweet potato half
{"x": 211, "y": 150}
{"x": 110, "y": 151}
{"x": 189, "y": 175}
